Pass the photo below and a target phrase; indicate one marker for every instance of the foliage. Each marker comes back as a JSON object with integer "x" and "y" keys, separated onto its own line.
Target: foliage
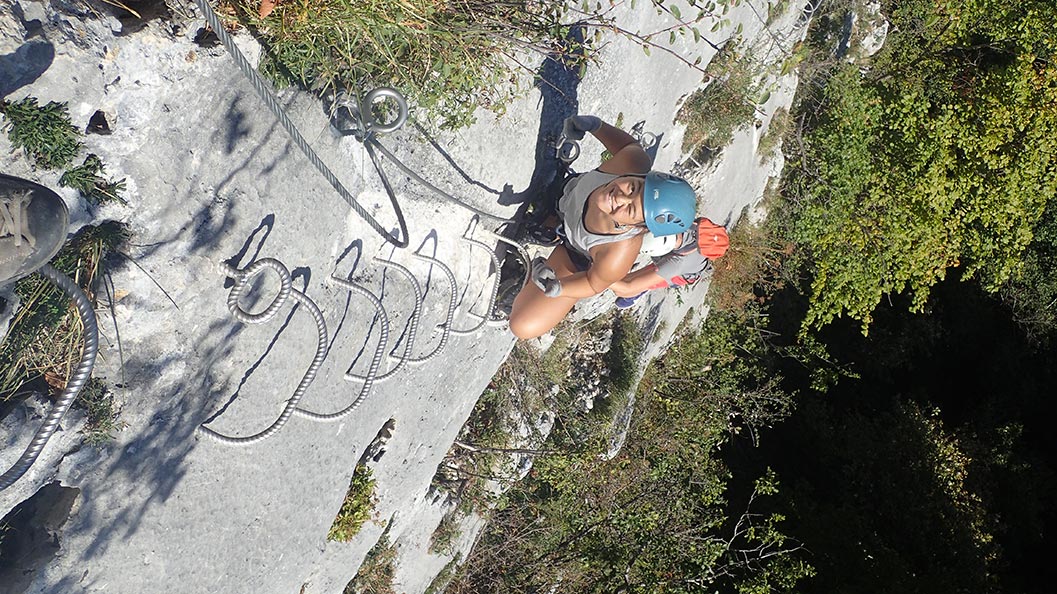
{"x": 622, "y": 359}
{"x": 1032, "y": 295}
{"x": 753, "y": 264}
{"x": 46, "y": 336}
{"x": 98, "y": 401}
{"x": 45, "y": 132}
{"x": 89, "y": 179}
{"x": 942, "y": 155}
{"x": 376, "y": 573}
{"x": 712, "y": 114}
{"x": 726, "y": 368}
{"x": 452, "y": 57}
{"x": 356, "y": 508}
{"x": 654, "y": 518}
{"x": 444, "y": 537}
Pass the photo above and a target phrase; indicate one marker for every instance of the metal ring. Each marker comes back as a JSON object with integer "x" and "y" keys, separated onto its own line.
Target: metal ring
{"x": 568, "y": 151}
{"x": 647, "y": 140}
{"x": 384, "y": 93}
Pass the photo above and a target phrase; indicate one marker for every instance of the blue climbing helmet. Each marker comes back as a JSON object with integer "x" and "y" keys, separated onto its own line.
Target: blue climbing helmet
{"x": 668, "y": 203}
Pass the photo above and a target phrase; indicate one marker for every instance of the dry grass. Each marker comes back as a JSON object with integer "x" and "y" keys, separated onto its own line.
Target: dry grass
{"x": 46, "y": 336}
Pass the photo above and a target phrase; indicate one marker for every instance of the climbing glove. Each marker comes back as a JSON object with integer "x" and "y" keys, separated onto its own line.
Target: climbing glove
{"x": 543, "y": 277}
{"x": 575, "y": 126}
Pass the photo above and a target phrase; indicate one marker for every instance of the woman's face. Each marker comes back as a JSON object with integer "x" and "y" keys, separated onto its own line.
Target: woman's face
{"x": 621, "y": 199}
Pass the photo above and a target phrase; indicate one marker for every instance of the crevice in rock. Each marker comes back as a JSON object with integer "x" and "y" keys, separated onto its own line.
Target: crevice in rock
{"x": 29, "y": 534}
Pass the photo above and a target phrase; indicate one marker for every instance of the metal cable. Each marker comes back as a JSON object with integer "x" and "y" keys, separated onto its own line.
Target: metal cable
{"x": 241, "y": 282}
{"x": 415, "y": 176}
{"x": 376, "y": 361}
{"x": 269, "y": 99}
{"x": 412, "y": 326}
{"x": 495, "y": 291}
{"x": 446, "y": 328}
{"x": 73, "y": 385}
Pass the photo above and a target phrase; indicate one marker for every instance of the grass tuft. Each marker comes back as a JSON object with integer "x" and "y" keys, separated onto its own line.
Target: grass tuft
{"x": 377, "y": 570}
{"x": 712, "y": 114}
{"x": 98, "y": 400}
{"x": 448, "y": 57}
{"x": 89, "y": 179}
{"x": 357, "y": 507}
{"x": 45, "y": 132}
{"x": 46, "y": 336}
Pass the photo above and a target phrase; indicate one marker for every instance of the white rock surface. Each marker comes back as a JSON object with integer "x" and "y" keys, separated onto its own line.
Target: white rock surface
{"x": 213, "y": 178}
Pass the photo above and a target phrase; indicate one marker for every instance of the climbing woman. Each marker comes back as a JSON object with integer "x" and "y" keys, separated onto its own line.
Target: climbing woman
{"x": 603, "y": 214}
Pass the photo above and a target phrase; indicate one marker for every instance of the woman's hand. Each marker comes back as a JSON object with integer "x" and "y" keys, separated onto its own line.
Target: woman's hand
{"x": 576, "y": 126}
{"x": 543, "y": 277}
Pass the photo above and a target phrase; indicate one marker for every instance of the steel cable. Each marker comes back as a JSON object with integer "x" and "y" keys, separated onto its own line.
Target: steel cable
{"x": 269, "y": 99}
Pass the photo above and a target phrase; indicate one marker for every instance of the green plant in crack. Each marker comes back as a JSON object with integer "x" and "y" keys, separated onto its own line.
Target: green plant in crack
{"x": 356, "y": 509}
{"x": 712, "y": 114}
{"x": 45, "y": 132}
{"x": 376, "y": 573}
{"x": 90, "y": 180}
{"x": 444, "y": 537}
{"x": 98, "y": 401}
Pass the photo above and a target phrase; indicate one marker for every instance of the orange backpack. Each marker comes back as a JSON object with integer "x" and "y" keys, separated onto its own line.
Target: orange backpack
{"x": 712, "y": 239}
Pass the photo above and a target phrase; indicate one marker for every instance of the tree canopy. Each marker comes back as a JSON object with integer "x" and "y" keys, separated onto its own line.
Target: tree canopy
{"x": 940, "y": 153}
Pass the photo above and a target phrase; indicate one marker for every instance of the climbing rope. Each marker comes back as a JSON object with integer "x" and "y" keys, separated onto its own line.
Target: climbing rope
{"x": 73, "y": 384}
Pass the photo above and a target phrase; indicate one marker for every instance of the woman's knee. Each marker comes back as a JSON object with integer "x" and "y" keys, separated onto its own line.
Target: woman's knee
{"x": 525, "y": 326}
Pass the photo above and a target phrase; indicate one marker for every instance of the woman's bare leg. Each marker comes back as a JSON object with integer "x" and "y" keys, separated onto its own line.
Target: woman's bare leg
{"x": 533, "y": 313}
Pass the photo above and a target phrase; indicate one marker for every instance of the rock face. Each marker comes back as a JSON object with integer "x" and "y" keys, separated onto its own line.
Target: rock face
{"x": 213, "y": 181}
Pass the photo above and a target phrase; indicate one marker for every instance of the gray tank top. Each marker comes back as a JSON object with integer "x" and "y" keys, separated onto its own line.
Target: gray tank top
{"x": 573, "y": 205}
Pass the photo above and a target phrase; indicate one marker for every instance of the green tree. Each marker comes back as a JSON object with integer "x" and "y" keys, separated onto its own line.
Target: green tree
{"x": 941, "y": 154}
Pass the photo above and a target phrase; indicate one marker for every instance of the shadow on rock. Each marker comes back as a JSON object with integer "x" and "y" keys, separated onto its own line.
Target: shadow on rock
{"x": 25, "y": 65}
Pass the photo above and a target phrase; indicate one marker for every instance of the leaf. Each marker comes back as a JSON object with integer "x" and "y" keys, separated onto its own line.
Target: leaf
{"x": 671, "y": 37}
{"x": 697, "y": 34}
{"x": 676, "y": 12}
{"x": 717, "y": 26}
{"x": 738, "y": 30}
{"x": 646, "y": 49}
